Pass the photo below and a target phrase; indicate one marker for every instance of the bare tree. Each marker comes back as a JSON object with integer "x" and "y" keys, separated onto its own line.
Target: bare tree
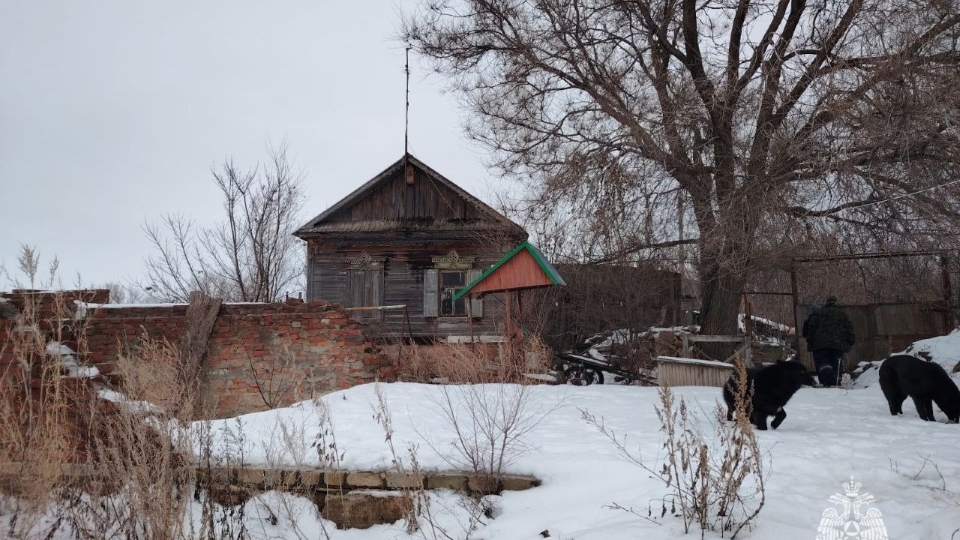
{"x": 249, "y": 256}
{"x": 758, "y": 121}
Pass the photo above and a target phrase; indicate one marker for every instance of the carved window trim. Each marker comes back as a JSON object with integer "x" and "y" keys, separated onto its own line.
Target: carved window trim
{"x": 453, "y": 261}
{"x": 433, "y": 290}
{"x": 366, "y": 262}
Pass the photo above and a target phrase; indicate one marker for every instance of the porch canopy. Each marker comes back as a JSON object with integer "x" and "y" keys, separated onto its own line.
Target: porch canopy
{"x": 524, "y": 268}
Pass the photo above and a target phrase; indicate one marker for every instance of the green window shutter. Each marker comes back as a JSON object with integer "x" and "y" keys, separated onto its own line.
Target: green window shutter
{"x": 476, "y": 303}
{"x": 431, "y": 290}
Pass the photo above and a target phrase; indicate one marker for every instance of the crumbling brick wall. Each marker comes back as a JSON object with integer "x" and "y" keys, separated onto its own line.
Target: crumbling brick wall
{"x": 258, "y": 355}
{"x": 277, "y": 354}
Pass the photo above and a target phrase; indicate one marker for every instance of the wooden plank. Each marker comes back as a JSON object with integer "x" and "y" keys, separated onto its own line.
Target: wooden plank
{"x": 431, "y": 291}
{"x": 192, "y": 345}
{"x": 375, "y": 308}
{"x": 714, "y": 339}
{"x": 692, "y": 374}
{"x": 475, "y": 302}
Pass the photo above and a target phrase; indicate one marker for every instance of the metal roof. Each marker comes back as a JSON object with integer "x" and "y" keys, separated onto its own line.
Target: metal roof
{"x": 548, "y": 269}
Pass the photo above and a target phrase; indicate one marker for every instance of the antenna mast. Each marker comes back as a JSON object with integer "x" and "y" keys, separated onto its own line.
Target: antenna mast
{"x": 406, "y": 118}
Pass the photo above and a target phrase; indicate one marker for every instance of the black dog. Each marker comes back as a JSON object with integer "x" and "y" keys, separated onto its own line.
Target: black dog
{"x": 902, "y": 375}
{"x": 771, "y": 388}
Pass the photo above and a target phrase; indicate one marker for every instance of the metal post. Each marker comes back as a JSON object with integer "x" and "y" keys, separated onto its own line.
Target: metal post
{"x": 948, "y": 318}
{"x": 797, "y": 337}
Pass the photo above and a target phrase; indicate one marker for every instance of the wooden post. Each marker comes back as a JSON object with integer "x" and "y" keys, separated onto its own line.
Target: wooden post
{"x": 506, "y": 302}
{"x": 747, "y": 317}
{"x": 470, "y": 318}
{"x": 519, "y": 342}
{"x": 797, "y": 337}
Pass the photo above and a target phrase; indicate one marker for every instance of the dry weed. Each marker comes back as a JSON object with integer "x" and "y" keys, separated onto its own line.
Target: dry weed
{"x": 461, "y": 363}
{"x": 717, "y": 483}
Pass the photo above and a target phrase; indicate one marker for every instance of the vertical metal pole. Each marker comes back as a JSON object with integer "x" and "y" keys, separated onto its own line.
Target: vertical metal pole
{"x": 948, "y": 317}
{"x": 406, "y": 113}
{"x": 681, "y": 261}
{"x": 797, "y": 337}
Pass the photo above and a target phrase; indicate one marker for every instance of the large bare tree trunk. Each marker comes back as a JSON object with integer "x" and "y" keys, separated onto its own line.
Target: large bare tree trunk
{"x": 720, "y": 305}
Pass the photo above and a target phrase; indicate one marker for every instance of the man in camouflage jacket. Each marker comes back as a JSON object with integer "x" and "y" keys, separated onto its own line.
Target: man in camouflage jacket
{"x": 829, "y": 334}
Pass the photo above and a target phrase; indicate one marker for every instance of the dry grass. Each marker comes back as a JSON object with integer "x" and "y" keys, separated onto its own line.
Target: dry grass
{"x": 35, "y": 416}
{"x": 463, "y": 363}
{"x": 140, "y": 450}
{"x": 716, "y": 482}
{"x": 427, "y": 516}
{"x": 489, "y": 422}
{"x": 81, "y": 461}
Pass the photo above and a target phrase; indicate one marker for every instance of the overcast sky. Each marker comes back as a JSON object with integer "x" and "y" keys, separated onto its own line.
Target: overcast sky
{"x": 112, "y": 113}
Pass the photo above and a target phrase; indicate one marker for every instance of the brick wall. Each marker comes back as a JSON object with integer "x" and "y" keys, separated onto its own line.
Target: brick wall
{"x": 257, "y": 354}
{"x": 286, "y": 352}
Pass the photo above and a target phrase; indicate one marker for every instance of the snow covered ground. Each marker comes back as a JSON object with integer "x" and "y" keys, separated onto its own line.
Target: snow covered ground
{"x": 911, "y": 467}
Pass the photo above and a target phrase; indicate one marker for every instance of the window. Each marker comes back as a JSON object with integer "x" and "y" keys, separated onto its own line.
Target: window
{"x": 439, "y": 286}
{"x": 450, "y": 284}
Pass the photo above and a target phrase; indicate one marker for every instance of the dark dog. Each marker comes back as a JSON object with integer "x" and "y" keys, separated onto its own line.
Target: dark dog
{"x": 770, "y": 389}
{"x": 902, "y": 375}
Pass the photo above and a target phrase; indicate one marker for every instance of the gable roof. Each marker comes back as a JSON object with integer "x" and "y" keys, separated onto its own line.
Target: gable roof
{"x": 548, "y": 273}
{"x": 322, "y": 222}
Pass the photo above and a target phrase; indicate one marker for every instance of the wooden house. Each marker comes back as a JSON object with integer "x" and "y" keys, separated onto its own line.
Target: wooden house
{"x": 407, "y": 241}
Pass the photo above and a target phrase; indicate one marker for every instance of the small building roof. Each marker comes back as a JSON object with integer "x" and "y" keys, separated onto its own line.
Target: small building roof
{"x": 526, "y": 267}
{"x": 395, "y": 213}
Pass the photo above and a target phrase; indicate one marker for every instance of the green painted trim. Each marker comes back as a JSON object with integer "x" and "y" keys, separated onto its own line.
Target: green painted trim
{"x": 548, "y": 269}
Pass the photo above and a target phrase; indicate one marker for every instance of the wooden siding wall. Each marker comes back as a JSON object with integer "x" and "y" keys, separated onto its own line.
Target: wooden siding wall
{"x": 403, "y": 274}
{"x": 395, "y": 200}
